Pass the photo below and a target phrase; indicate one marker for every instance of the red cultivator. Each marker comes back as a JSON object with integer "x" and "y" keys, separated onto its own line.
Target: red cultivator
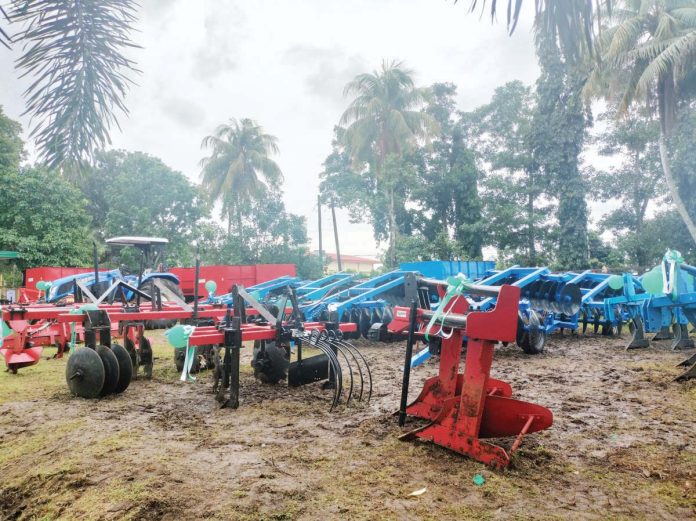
{"x": 465, "y": 408}
{"x": 104, "y": 366}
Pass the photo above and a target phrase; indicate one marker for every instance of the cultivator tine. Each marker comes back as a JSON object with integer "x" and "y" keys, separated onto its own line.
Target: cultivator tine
{"x": 595, "y": 322}
{"x": 663, "y": 334}
{"x": 689, "y": 361}
{"x": 360, "y": 363}
{"x": 638, "y": 339}
{"x": 690, "y": 373}
{"x": 335, "y": 373}
{"x": 583, "y": 319}
{"x": 332, "y": 342}
{"x": 681, "y": 337}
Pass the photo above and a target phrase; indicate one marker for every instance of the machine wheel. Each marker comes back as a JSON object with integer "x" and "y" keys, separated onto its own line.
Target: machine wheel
{"x": 111, "y": 370}
{"x": 125, "y": 368}
{"x": 270, "y": 361}
{"x": 85, "y": 373}
{"x": 530, "y": 337}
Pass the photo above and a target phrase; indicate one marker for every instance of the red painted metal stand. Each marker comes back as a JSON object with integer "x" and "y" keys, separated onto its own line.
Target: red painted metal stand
{"x": 465, "y": 408}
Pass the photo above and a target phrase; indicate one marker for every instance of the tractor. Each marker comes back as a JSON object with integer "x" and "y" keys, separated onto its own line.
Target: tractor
{"x": 145, "y": 252}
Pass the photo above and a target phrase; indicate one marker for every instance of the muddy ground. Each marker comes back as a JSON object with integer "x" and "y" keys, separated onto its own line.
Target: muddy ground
{"x": 623, "y": 446}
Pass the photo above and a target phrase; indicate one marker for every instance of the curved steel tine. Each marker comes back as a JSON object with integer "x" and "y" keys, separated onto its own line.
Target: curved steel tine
{"x": 345, "y": 346}
{"x": 332, "y": 342}
{"x": 330, "y": 347}
{"x": 367, "y": 368}
{"x": 333, "y": 360}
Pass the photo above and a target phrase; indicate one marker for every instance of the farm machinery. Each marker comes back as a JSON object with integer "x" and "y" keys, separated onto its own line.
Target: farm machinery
{"x": 104, "y": 366}
{"x": 277, "y": 331}
{"x": 462, "y": 409}
{"x": 546, "y": 302}
{"x": 150, "y": 254}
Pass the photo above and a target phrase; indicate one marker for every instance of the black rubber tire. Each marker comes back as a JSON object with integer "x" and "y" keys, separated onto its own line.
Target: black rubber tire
{"x": 111, "y": 370}
{"x": 147, "y": 287}
{"x": 85, "y": 373}
{"x": 125, "y": 368}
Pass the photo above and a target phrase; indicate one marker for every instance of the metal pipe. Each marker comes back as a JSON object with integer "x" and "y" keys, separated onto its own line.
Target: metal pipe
{"x": 335, "y": 227}
{"x": 96, "y": 262}
{"x": 689, "y": 269}
{"x": 321, "y": 249}
{"x": 195, "y": 285}
{"x": 452, "y": 320}
{"x": 407, "y": 363}
{"x": 476, "y": 289}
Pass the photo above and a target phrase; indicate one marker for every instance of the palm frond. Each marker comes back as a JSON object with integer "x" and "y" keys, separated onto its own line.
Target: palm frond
{"x": 74, "y": 51}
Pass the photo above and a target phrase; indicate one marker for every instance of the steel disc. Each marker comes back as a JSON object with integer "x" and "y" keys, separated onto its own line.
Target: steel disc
{"x": 544, "y": 292}
{"x": 365, "y": 323}
{"x": 553, "y": 297}
{"x": 570, "y": 299}
{"x": 527, "y": 292}
{"x": 125, "y": 368}
{"x": 146, "y": 357}
{"x": 111, "y": 371}
{"x": 270, "y": 362}
{"x": 355, "y": 319}
{"x": 533, "y": 293}
{"x": 387, "y": 316}
{"x": 85, "y": 373}
{"x": 130, "y": 347}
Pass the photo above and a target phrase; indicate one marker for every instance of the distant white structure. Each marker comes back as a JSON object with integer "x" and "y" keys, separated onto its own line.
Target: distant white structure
{"x": 351, "y": 263}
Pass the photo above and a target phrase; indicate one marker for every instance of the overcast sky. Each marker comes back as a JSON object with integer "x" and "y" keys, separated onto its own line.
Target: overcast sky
{"x": 284, "y": 64}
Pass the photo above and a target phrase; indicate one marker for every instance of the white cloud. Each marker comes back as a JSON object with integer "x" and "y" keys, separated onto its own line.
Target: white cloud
{"x": 285, "y": 64}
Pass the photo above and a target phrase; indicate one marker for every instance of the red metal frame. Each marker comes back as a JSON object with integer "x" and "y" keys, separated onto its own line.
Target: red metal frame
{"x": 464, "y": 408}
{"x": 39, "y": 325}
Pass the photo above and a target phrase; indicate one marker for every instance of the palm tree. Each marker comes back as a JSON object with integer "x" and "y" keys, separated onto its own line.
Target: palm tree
{"x": 74, "y": 53}
{"x": 384, "y": 120}
{"x": 239, "y": 167}
{"x": 649, "y": 53}
{"x": 572, "y": 21}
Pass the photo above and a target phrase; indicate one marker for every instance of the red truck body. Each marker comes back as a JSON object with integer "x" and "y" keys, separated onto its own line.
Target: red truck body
{"x": 49, "y": 273}
{"x": 226, "y": 276}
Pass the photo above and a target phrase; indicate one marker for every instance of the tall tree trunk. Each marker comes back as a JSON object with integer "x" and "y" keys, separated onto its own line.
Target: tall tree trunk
{"x": 673, "y": 188}
{"x": 239, "y": 223}
{"x": 392, "y": 229}
{"x": 531, "y": 251}
{"x": 229, "y": 222}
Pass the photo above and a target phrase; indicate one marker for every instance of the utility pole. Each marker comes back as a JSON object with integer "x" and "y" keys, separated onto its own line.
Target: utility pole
{"x": 321, "y": 250}
{"x": 338, "y": 250}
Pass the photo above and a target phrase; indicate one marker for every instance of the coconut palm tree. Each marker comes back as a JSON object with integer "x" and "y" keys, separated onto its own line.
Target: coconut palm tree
{"x": 572, "y": 21}
{"x": 239, "y": 167}
{"x": 383, "y": 121}
{"x": 648, "y": 52}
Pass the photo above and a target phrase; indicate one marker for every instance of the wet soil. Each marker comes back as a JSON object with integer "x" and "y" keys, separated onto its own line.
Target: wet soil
{"x": 623, "y": 445}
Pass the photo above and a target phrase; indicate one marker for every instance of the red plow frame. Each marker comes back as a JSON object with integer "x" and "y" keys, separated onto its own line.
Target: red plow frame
{"x": 464, "y": 408}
